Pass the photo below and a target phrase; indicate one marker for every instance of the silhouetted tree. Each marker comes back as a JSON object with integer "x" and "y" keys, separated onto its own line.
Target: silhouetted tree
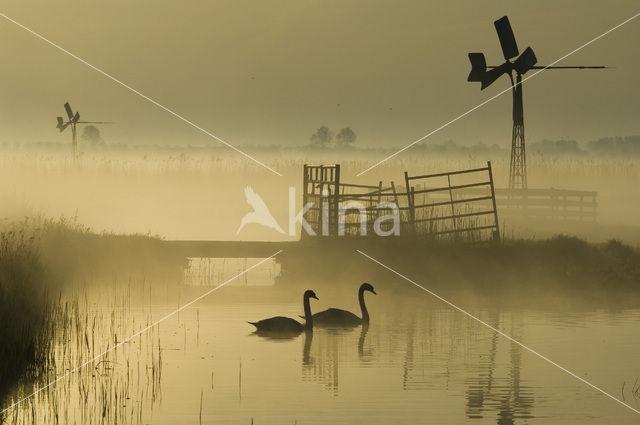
{"x": 91, "y": 136}
{"x": 322, "y": 137}
{"x": 346, "y": 137}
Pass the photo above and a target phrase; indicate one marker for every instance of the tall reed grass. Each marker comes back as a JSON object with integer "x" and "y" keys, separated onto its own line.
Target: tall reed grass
{"x": 24, "y": 304}
{"x": 38, "y": 259}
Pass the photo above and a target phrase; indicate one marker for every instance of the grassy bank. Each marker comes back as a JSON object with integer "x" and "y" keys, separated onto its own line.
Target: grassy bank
{"x": 526, "y": 269}
{"x": 24, "y": 305}
{"x": 38, "y": 257}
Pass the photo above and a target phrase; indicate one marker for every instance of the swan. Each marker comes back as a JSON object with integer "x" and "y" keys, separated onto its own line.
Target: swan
{"x": 280, "y": 324}
{"x": 336, "y": 316}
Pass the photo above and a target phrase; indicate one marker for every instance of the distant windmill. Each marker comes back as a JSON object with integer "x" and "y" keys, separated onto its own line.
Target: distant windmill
{"x": 73, "y": 121}
{"x": 526, "y": 61}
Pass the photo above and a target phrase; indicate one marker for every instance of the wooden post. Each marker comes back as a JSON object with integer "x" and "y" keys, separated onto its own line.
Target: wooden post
{"x": 412, "y": 213}
{"x": 395, "y": 195}
{"x": 305, "y": 180}
{"x": 493, "y": 199}
{"x": 336, "y": 201}
{"x": 413, "y": 210}
{"x": 318, "y": 183}
{"x": 305, "y": 194}
{"x": 377, "y": 210}
{"x": 453, "y": 210}
{"x": 395, "y": 199}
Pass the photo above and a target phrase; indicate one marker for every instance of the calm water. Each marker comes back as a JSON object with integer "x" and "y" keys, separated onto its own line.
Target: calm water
{"x": 418, "y": 362}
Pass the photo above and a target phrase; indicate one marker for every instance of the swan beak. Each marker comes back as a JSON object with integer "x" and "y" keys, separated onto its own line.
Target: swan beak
{"x": 374, "y": 292}
{"x": 314, "y": 297}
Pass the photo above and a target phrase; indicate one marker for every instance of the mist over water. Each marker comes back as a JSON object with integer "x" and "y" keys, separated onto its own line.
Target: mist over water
{"x": 419, "y": 361}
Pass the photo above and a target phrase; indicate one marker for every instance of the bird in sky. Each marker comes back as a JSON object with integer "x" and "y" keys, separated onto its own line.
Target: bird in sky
{"x": 260, "y": 213}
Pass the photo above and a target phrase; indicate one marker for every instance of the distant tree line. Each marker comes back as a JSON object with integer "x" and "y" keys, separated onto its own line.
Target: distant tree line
{"x": 629, "y": 145}
{"x": 323, "y": 137}
{"x": 607, "y": 146}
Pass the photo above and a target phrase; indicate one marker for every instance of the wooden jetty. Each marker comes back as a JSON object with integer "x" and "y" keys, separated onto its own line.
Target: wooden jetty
{"x": 228, "y": 249}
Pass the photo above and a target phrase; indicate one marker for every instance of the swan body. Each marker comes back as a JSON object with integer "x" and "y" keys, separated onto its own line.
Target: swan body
{"x": 338, "y": 317}
{"x": 278, "y": 323}
{"x": 287, "y": 325}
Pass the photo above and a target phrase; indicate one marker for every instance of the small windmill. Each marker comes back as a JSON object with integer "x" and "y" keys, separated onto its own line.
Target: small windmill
{"x": 74, "y": 119}
{"x": 523, "y": 63}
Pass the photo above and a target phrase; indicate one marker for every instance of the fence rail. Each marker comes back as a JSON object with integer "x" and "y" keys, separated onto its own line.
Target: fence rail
{"x": 348, "y": 209}
{"x": 552, "y": 204}
{"x": 469, "y": 218}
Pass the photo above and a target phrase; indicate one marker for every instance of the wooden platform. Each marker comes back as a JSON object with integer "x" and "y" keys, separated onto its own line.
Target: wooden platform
{"x": 228, "y": 249}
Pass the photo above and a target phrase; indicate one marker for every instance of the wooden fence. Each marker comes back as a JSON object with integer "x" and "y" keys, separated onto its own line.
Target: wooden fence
{"x": 436, "y": 207}
{"x": 426, "y": 206}
{"x": 545, "y": 204}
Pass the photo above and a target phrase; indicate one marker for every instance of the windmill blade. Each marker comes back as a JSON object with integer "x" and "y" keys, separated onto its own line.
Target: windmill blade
{"x": 525, "y": 61}
{"x": 507, "y": 40}
{"x": 493, "y": 74}
{"x": 68, "y": 108}
{"x": 76, "y": 117}
{"x": 478, "y": 67}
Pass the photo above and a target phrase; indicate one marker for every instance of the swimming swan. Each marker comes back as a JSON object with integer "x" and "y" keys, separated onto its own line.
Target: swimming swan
{"x": 280, "y": 324}
{"x": 336, "y": 316}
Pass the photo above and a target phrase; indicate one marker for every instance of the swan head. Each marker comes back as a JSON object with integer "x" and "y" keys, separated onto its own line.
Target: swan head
{"x": 310, "y": 294}
{"x": 368, "y": 287}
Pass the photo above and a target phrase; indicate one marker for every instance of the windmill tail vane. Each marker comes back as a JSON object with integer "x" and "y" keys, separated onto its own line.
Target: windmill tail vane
{"x": 62, "y": 125}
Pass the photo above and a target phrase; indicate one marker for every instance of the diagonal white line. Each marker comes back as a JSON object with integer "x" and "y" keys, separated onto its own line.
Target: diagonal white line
{"x": 497, "y": 95}
{"x": 131, "y": 89}
{"x": 482, "y": 322}
{"x": 140, "y": 332}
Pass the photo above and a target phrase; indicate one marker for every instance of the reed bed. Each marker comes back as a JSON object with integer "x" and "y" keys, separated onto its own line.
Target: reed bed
{"x": 53, "y": 317}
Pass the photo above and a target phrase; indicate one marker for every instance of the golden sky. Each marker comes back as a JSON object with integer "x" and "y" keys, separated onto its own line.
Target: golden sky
{"x": 263, "y": 72}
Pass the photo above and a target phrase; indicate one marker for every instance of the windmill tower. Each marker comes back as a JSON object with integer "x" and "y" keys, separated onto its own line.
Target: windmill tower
{"x": 74, "y": 120}
{"x": 523, "y": 63}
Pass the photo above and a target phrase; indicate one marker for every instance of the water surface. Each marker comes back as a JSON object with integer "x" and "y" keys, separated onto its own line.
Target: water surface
{"x": 419, "y": 361}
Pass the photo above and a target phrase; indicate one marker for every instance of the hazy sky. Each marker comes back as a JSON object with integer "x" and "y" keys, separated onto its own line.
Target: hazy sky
{"x": 262, "y": 72}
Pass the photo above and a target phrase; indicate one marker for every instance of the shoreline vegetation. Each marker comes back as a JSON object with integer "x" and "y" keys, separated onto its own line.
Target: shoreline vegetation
{"x": 532, "y": 272}
{"x": 38, "y": 258}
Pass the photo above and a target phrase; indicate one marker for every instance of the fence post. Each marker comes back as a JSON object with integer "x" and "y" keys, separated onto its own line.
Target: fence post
{"x": 410, "y": 203}
{"x": 376, "y": 211}
{"x": 453, "y": 210}
{"x": 493, "y": 199}
{"x": 305, "y": 195}
{"x": 395, "y": 195}
{"x": 336, "y": 201}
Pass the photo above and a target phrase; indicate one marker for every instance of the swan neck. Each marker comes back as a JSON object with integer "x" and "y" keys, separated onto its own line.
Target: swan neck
{"x": 307, "y": 313}
{"x": 363, "y": 307}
